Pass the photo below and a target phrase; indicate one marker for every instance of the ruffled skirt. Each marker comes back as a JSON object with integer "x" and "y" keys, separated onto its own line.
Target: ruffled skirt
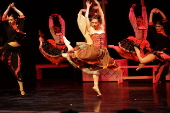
{"x": 87, "y": 56}
{"x": 126, "y": 48}
{"x": 52, "y": 51}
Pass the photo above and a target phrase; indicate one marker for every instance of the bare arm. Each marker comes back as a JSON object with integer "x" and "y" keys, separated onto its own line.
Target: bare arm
{"x": 16, "y": 10}
{"x": 132, "y": 17}
{"x": 151, "y": 17}
{"x": 51, "y": 24}
{"x": 144, "y": 14}
{"x": 154, "y": 10}
{"x": 151, "y": 25}
{"x": 62, "y": 22}
{"x": 162, "y": 15}
{"x": 100, "y": 12}
{"x": 5, "y": 15}
{"x": 88, "y": 4}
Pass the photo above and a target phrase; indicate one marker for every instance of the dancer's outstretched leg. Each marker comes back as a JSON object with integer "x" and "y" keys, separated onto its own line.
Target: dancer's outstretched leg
{"x": 146, "y": 59}
{"x": 96, "y": 87}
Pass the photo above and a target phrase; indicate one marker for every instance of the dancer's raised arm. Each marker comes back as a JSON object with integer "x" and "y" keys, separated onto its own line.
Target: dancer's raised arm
{"x": 144, "y": 14}
{"x": 15, "y": 33}
{"x": 132, "y": 17}
{"x": 51, "y": 25}
{"x": 162, "y": 15}
{"x": 62, "y": 23}
{"x": 81, "y": 21}
{"x": 100, "y": 12}
{"x": 16, "y": 10}
{"x": 88, "y": 4}
{"x": 5, "y": 15}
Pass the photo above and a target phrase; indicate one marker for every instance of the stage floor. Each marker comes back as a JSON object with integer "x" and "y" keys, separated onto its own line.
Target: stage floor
{"x": 59, "y": 95}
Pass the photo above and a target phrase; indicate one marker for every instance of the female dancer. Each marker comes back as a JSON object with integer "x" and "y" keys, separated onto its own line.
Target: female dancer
{"x": 161, "y": 51}
{"x": 52, "y": 48}
{"x": 93, "y": 55}
{"x": 140, "y": 27}
{"x": 10, "y": 52}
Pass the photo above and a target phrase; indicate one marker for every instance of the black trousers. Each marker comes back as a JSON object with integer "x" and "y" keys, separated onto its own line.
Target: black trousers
{"x": 162, "y": 70}
{"x": 11, "y": 57}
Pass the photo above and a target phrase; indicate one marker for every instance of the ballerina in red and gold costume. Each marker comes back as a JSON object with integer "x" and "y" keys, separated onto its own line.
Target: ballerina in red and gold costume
{"x": 93, "y": 55}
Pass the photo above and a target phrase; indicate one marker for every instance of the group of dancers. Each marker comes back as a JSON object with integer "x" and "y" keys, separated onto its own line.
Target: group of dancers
{"x": 91, "y": 55}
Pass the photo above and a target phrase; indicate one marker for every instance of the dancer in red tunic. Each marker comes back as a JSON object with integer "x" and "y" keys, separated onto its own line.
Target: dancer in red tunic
{"x": 52, "y": 48}
{"x": 140, "y": 27}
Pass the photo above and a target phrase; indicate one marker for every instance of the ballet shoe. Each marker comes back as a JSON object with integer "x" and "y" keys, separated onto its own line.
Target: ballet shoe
{"x": 140, "y": 66}
{"x": 97, "y": 91}
{"x": 22, "y": 92}
{"x": 99, "y": 95}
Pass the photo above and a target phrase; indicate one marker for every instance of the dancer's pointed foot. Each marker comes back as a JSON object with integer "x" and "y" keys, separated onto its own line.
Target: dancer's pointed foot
{"x": 155, "y": 81}
{"x": 118, "y": 68}
{"x": 97, "y": 91}
{"x": 110, "y": 46}
{"x": 22, "y": 92}
{"x": 140, "y": 66}
{"x": 65, "y": 55}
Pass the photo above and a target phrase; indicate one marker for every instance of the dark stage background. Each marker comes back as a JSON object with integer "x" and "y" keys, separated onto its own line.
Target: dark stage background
{"x": 37, "y": 12}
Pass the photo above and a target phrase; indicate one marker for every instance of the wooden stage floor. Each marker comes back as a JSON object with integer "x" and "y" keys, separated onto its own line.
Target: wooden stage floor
{"x": 59, "y": 95}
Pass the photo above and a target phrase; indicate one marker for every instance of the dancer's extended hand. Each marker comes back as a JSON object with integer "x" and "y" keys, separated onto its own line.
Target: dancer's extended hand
{"x": 88, "y": 3}
{"x": 97, "y": 2}
{"x": 12, "y": 5}
{"x": 133, "y": 6}
{"x": 41, "y": 36}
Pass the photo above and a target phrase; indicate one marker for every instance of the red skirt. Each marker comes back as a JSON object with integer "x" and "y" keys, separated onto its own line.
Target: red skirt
{"x": 52, "y": 52}
{"x": 126, "y": 48}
